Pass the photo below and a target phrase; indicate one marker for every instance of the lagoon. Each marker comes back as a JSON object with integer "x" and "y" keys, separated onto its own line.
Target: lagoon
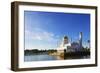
{"x": 46, "y": 57}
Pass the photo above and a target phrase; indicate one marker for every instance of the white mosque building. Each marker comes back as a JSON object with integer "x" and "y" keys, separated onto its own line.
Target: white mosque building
{"x": 70, "y": 46}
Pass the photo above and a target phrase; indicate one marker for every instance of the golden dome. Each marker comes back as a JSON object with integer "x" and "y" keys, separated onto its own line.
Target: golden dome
{"x": 65, "y": 37}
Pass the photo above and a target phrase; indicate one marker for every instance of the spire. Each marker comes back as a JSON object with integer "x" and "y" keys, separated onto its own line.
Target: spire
{"x": 80, "y": 39}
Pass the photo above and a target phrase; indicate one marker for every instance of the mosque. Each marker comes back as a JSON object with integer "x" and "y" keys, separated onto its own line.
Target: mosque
{"x": 67, "y": 46}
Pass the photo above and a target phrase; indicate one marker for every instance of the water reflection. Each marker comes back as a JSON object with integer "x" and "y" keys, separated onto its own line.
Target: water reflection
{"x": 46, "y": 57}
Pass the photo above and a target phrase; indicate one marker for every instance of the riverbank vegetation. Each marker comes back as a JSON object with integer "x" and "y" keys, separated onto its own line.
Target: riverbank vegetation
{"x": 81, "y": 52}
{"x": 36, "y": 51}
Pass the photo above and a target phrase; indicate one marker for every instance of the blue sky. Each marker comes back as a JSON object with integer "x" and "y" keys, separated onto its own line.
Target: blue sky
{"x": 44, "y": 30}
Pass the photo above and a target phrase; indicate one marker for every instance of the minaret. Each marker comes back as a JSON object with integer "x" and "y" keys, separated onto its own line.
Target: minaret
{"x": 80, "y": 39}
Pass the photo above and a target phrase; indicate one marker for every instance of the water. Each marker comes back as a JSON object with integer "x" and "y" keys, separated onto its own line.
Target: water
{"x": 43, "y": 57}
{"x": 46, "y": 57}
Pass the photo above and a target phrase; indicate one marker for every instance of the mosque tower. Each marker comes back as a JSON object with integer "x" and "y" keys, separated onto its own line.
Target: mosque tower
{"x": 80, "y": 39}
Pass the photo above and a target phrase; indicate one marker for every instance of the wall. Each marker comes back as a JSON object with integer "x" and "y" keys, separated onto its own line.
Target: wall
{"x": 5, "y": 40}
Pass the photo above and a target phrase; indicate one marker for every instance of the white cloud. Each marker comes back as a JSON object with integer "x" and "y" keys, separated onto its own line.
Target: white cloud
{"x": 40, "y": 34}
